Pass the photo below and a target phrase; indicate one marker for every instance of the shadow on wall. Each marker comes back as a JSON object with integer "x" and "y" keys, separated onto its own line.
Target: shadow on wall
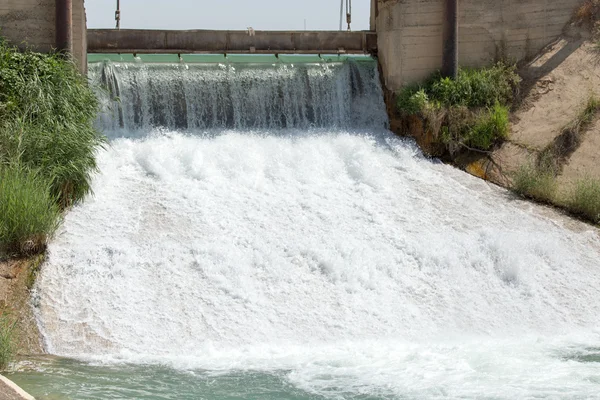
{"x": 550, "y": 58}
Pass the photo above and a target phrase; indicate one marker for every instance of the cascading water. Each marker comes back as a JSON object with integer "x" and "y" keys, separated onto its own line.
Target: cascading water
{"x": 260, "y": 229}
{"x": 240, "y": 96}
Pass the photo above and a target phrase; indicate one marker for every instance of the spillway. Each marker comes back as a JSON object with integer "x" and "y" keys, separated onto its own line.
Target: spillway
{"x": 257, "y": 232}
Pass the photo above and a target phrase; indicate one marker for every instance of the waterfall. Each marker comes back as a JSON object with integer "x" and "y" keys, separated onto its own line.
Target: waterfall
{"x": 260, "y": 219}
{"x": 139, "y": 96}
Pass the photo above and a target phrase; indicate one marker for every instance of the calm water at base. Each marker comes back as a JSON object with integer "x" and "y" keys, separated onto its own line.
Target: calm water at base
{"x": 533, "y": 368}
{"x": 59, "y": 378}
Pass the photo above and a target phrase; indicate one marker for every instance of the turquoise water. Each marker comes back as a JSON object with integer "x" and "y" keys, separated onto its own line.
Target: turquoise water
{"x": 57, "y": 378}
{"x": 484, "y": 370}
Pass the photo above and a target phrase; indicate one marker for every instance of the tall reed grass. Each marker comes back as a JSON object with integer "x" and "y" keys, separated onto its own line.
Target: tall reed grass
{"x": 47, "y": 115}
{"x": 7, "y": 347}
{"x": 48, "y": 144}
{"x": 29, "y": 213}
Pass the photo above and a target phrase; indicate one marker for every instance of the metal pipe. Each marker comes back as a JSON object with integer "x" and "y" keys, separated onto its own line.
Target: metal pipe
{"x": 450, "y": 56}
{"x": 349, "y": 13}
{"x": 64, "y": 26}
{"x": 118, "y": 15}
{"x": 341, "y": 13}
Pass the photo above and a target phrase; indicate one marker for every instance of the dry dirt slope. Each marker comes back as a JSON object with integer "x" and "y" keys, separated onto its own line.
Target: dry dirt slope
{"x": 557, "y": 85}
{"x": 15, "y": 277}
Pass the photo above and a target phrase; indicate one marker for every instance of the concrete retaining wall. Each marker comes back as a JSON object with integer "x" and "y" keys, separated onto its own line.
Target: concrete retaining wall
{"x": 10, "y": 391}
{"x": 30, "y": 23}
{"x": 410, "y": 33}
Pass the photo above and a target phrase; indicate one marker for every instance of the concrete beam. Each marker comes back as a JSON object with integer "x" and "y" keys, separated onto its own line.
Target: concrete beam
{"x": 243, "y": 42}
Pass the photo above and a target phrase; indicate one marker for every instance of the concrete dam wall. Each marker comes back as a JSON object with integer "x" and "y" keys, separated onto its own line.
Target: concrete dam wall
{"x": 410, "y": 33}
{"x": 31, "y": 24}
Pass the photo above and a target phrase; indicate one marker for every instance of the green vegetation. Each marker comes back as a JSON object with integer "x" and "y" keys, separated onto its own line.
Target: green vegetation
{"x": 480, "y": 129}
{"x": 7, "y": 350}
{"x": 489, "y": 127}
{"x": 28, "y": 211}
{"x": 591, "y": 108}
{"x": 536, "y": 182}
{"x": 585, "y": 199}
{"x": 476, "y": 88}
{"x": 34, "y": 270}
{"x": 469, "y": 112}
{"x": 539, "y": 183}
{"x": 47, "y": 144}
{"x": 584, "y": 117}
{"x": 47, "y": 112}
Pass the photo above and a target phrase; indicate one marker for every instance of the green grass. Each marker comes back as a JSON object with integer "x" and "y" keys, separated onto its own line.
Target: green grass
{"x": 412, "y": 100}
{"x": 7, "y": 349}
{"x": 475, "y": 130}
{"x": 474, "y": 107}
{"x": 475, "y": 88}
{"x": 29, "y": 214}
{"x": 535, "y": 182}
{"x": 591, "y": 107}
{"x": 489, "y": 127}
{"x": 585, "y": 199}
{"x": 586, "y": 115}
{"x": 47, "y": 114}
{"x": 34, "y": 269}
{"x": 48, "y": 145}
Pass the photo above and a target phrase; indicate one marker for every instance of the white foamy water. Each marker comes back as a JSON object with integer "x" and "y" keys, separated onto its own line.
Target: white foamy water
{"x": 345, "y": 259}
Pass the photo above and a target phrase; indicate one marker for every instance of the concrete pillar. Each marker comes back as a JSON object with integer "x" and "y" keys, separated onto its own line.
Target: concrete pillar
{"x": 450, "y": 55}
{"x": 79, "y": 35}
{"x": 373, "y": 19}
{"x": 64, "y": 26}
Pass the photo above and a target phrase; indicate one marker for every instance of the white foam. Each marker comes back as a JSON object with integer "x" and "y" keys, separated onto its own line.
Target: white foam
{"x": 346, "y": 259}
{"x": 241, "y": 240}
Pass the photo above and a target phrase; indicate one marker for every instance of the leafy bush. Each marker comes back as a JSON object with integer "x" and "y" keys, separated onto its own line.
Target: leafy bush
{"x": 476, "y": 88}
{"x": 7, "y": 328}
{"x": 489, "y": 127}
{"x": 473, "y": 88}
{"x": 585, "y": 199}
{"x": 480, "y": 129}
{"x": 473, "y": 107}
{"x": 535, "y": 182}
{"x": 29, "y": 214}
{"x": 47, "y": 114}
{"x": 412, "y": 101}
